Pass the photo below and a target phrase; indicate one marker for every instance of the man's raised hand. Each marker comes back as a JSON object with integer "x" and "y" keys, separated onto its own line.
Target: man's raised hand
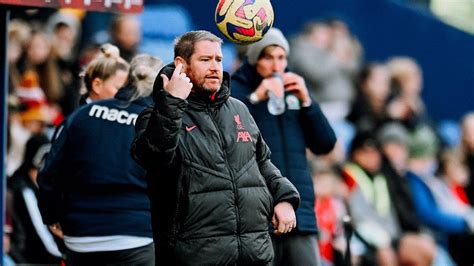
{"x": 179, "y": 85}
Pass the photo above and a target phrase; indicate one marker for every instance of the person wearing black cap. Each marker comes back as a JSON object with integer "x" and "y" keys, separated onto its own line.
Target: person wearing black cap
{"x": 288, "y": 133}
{"x": 369, "y": 201}
{"x": 394, "y": 140}
{"x": 372, "y": 206}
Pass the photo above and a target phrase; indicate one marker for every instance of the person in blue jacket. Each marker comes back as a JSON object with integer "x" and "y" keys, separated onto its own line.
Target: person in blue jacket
{"x": 91, "y": 192}
{"x": 302, "y": 125}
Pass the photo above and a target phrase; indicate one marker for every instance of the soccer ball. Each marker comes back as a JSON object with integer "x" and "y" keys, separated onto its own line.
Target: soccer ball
{"x": 244, "y": 21}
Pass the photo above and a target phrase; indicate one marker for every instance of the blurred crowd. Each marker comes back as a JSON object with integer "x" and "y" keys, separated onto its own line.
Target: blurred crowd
{"x": 405, "y": 185}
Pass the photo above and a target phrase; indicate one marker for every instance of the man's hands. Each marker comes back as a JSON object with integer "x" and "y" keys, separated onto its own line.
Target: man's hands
{"x": 56, "y": 230}
{"x": 273, "y": 84}
{"x": 296, "y": 85}
{"x": 284, "y": 218}
{"x": 179, "y": 85}
{"x": 291, "y": 82}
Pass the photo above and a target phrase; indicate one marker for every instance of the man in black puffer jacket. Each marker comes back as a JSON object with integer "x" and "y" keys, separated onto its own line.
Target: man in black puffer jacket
{"x": 212, "y": 185}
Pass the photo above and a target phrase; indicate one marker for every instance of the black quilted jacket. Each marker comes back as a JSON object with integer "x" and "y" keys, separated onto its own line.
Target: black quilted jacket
{"x": 211, "y": 182}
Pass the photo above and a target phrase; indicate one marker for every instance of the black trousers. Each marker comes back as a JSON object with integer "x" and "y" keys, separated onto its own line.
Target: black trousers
{"x": 141, "y": 256}
{"x": 294, "y": 249}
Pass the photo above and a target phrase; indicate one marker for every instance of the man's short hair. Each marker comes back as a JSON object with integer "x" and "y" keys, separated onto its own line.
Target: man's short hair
{"x": 184, "y": 44}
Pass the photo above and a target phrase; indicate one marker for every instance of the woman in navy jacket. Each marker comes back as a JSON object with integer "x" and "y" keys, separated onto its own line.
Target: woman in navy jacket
{"x": 91, "y": 190}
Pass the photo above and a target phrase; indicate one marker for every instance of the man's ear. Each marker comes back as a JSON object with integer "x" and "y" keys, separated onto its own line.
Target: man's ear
{"x": 97, "y": 85}
{"x": 181, "y": 60}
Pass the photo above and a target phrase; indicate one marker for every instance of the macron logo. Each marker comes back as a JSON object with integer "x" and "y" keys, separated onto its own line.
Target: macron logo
{"x": 113, "y": 115}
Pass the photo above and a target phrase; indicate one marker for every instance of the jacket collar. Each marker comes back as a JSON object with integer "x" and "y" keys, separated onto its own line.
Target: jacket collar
{"x": 197, "y": 100}
{"x": 247, "y": 74}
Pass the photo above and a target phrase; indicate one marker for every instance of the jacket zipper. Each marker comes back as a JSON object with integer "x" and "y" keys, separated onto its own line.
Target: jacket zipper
{"x": 234, "y": 188}
{"x": 284, "y": 147}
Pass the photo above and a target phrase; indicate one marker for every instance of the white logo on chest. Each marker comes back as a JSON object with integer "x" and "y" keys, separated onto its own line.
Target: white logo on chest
{"x": 113, "y": 115}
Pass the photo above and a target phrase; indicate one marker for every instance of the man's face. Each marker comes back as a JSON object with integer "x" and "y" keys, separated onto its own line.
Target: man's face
{"x": 274, "y": 59}
{"x": 204, "y": 68}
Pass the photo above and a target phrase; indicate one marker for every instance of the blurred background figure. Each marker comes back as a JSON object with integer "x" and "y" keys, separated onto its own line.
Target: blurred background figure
{"x": 328, "y": 57}
{"x": 439, "y": 209}
{"x": 330, "y": 208}
{"x": 65, "y": 29}
{"x": 374, "y": 211}
{"x": 467, "y": 151}
{"x": 394, "y": 140}
{"x": 125, "y": 33}
{"x": 368, "y": 112}
{"x": 18, "y": 35}
{"x": 32, "y": 242}
{"x": 407, "y": 105}
{"x": 39, "y": 57}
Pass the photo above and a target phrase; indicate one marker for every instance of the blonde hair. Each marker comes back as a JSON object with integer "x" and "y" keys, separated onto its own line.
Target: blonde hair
{"x": 143, "y": 71}
{"x": 402, "y": 66}
{"x": 105, "y": 65}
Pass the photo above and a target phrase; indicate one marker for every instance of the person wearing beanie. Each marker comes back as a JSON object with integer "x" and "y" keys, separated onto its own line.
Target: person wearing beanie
{"x": 302, "y": 125}
{"x": 394, "y": 139}
{"x": 436, "y": 204}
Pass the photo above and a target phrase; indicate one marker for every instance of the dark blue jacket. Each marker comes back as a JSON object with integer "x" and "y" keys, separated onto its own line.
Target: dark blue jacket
{"x": 288, "y": 135}
{"x": 89, "y": 183}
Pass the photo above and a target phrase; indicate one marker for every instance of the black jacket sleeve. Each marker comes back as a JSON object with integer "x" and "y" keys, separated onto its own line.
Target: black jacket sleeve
{"x": 318, "y": 133}
{"x": 157, "y": 131}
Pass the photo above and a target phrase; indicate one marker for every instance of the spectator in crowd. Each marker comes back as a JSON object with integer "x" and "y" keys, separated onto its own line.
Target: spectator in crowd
{"x": 455, "y": 174}
{"x": 32, "y": 242}
{"x": 18, "y": 36}
{"x": 28, "y": 115}
{"x": 435, "y": 203}
{"x": 394, "y": 140}
{"x": 467, "y": 151}
{"x": 92, "y": 193}
{"x": 368, "y": 111}
{"x": 65, "y": 30}
{"x": 301, "y": 126}
{"x": 125, "y": 33}
{"x": 330, "y": 209}
{"x": 39, "y": 57}
{"x": 104, "y": 75}
{"x": 406, "y": 104}
{"x": 324, "y": 57}
{"x": 213, "y": 187}
{"x": 373, "y": 211}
